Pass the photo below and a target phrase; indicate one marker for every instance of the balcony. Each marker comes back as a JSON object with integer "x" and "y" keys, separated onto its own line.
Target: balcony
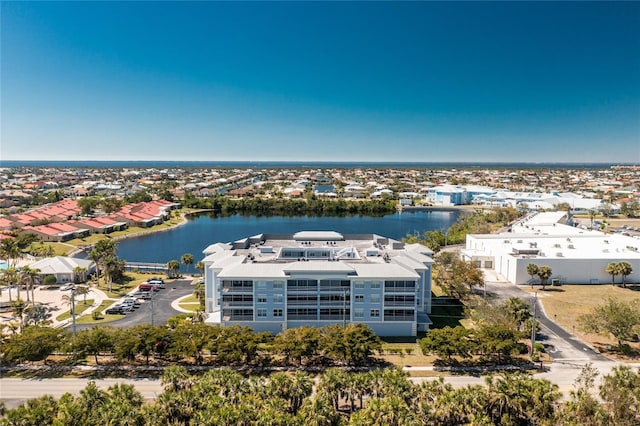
{"x": 233, "y": 304}
{"x": 408, "y": 304}
{"x": 391, "y": 289}
{"x": 238, "y": 318}
{"x": 302, "y": 317}
{"x": 237, "y": 289}
{"x": 302, "y": 302}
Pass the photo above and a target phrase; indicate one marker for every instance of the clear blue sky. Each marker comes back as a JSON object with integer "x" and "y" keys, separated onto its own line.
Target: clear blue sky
{"x": 344, "y": 81}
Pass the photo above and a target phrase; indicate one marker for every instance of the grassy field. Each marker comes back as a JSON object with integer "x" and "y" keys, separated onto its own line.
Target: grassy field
{"x": 88, "y": 319}
{"x": 391, "y": 354}
{"x": 565, "y": 304}
{"x": 131, "y": 281}
{"x": 80, "y": 308}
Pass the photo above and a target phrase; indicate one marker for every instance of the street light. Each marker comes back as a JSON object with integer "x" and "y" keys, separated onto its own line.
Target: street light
{"x": 73, "y": 309}
{"x": 533, "y": 324}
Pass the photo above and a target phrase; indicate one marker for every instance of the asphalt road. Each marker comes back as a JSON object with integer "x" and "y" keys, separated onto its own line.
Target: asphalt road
{"x": 559, "y": 343}
{"x": 160, "y": 308}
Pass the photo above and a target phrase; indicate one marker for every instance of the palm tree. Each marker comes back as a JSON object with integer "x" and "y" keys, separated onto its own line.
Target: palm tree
{"x": 625, "y": 270}
{"x": 83, "y": 290}
{"x": 69, "y": 299}
{"x": 592, "y": 216}
{"x": 200, "y": 267}
{"x": 111, "y": 266}
{"x": 173, "y": 266}
{"x": 18, "y": 308}
{"x": 532, "y": 270}
{"x": 613, "y": 269}
{"x": 28, "y": 278}
{"x": 199, "y": 293}
{"x": 544, "y": 272}
{"x": 10, "y": 250}
{"x": 9, "y": 276}
{"x": 102, "y": 250}
{"x": 187, "y": 260}
{"x": 79, "y": 274}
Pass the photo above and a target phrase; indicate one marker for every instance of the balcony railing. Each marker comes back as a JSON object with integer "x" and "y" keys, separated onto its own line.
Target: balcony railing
{"x": 398, "y": 318}
{"x": 302, "y": 302}
{"x": 236, "y": 303}
{"x": 399, "y": 303}
{"x": 333, "y": 317}
{"x": 400, "y": 289}
{"x": 301, "y": 317}
{"x": 302, "y": 288}
{"x": 237, "y": 289}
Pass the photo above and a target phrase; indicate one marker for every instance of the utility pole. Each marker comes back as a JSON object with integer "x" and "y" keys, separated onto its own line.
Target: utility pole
{"x": 152, "y": 306}
{"x": 73, "y": 310}
{"x": 533, "y": 323}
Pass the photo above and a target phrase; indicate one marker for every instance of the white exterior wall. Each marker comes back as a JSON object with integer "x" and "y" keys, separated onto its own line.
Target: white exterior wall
{"x": 575, "y": 271}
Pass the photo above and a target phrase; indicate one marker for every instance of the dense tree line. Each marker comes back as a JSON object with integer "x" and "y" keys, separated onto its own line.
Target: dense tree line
{"x": 496, "y": 336}
{"x": 377, "y": 397}
{"x": 282, "y": 206}
{"x": 478, "y": 222}
{"x": 197, "y": 343}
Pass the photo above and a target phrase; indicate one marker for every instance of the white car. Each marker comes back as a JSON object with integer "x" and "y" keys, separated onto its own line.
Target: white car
{"x": 67, "y": 287}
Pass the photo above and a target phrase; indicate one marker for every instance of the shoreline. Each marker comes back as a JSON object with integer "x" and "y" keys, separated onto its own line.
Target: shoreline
{"x": 185, "y": 219}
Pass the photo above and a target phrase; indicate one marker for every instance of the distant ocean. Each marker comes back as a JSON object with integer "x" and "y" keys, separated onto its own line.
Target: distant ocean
{"x": 294, "y": 164}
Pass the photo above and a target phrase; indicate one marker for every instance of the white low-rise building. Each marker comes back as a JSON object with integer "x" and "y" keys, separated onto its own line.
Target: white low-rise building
{"x": 576, "y": 256}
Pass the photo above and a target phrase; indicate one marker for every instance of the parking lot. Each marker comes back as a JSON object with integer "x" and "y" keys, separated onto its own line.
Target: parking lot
{"x": 157, "y": 310}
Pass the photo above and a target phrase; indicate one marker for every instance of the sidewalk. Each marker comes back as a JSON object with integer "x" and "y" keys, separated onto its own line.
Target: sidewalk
{"x": 98, "y": 297}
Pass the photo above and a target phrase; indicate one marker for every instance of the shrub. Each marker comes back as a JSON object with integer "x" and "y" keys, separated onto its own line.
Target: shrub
{"x": 50, "y": 280}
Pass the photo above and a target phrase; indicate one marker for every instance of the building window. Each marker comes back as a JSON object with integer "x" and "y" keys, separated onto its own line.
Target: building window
{"x": 277, "y": 313}
{"x": 358, "y": 313}
{"x": 375, "y": 298}
{"x": 359, "y": 298}
{"x": 262, "y": 313}
{"x": 278, "y": 284}
{"x": 375, "y": 313}
{"x": 261, "y": 285}
{"x": 262, "y": 298}
{"x": 358, "y": 284}
{"x": 277, "y": 298}
{"x": 376, "y": 284}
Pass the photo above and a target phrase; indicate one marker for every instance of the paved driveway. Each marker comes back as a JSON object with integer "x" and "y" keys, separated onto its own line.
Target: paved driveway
{"x": 159, "y": 309}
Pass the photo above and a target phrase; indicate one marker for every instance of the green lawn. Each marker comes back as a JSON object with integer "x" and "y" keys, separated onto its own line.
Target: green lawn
{"x": 80, "y": 308}
{"x": 446, "y": 312}
{"x": 189, "y": 299}
{"x": 191, "y": 307}
{"x": 88, "y": 319}
{"x": 130, "y": 282}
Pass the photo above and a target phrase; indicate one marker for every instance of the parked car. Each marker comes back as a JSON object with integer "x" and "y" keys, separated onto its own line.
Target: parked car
{"x": 131, "y": 300}
{"x": 147, "y": 287}
{"x": 116, "y": 310}
{"x": 157, "y": 282}
{"x": 144, "y": 295}
{"x": 67, "y": 287}
{"x": 125, "y": 308}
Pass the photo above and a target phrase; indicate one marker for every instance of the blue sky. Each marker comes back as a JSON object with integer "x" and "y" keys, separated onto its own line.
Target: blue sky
{"x": 340, "y": 81}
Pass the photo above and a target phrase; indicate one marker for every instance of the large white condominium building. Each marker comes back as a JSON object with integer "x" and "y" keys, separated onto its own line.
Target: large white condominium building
{"x": 272, "y": 282}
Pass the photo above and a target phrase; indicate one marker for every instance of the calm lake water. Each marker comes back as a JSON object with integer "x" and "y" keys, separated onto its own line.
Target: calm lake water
{"x": 205, "y": 229}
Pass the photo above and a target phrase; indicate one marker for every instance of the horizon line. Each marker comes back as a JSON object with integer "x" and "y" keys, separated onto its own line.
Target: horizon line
{"x": 320, "y": 161}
